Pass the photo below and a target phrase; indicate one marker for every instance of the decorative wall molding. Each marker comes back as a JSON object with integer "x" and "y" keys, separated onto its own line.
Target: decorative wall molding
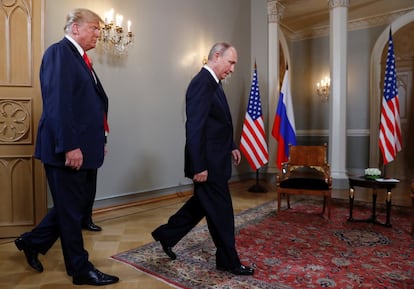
{"x": 325, "y": 133}
{"x": 16, "y": 43}
{"x": 377, "y": 20}
{"x": 16, "y": 179}
{"x": 338, "y": 3}
{"x": 274, "y": 11}
{"x": 15, "y": 121}
{"x": 357, "y": 24}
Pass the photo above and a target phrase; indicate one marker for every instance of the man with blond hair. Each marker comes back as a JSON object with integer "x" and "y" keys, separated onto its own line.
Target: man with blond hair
{"x": 71, "y": 145}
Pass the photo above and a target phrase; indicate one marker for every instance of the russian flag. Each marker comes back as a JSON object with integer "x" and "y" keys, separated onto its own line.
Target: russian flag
{"x": 284, "y": 124}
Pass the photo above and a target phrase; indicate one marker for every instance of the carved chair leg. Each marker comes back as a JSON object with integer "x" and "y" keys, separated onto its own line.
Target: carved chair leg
{"x": 278, "y": 201}
{"x": 327, "y": 203}
{"x": 324, "y": 205}
{"x": 329, "y": 208}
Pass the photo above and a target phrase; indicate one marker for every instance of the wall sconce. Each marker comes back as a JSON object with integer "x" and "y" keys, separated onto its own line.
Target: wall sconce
{"x": 113, "y": 37}
{"x": 323, "y": 88}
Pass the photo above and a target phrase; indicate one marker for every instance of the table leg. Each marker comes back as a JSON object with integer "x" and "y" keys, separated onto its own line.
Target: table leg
{"x": 374, "y": 206}
{"x": 388, "y": 203}
{"x": 351, "y": 203}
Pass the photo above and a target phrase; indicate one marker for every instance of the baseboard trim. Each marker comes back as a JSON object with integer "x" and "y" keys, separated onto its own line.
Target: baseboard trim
{"x": 143, "y": 201}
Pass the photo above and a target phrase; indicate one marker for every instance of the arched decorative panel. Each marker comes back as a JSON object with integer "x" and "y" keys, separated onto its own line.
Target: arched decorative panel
{"x": 17, "y": 202}
{"x": 15, "y": 43}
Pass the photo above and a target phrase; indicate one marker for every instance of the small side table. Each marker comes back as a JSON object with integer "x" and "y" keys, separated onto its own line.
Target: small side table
{"x": 373, "y": 185}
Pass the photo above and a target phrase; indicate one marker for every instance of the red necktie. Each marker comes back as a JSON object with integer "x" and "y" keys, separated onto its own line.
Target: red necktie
{"x": 89, "y": 64}
{"x": 106, "y": 126}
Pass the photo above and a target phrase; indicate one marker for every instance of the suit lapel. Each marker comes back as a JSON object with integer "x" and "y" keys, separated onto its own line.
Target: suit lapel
{"x": 77, "y": 55}
{"x": 222, "y": 98}
{"x": 219, "y": 93}
{"x": 93, "y": 76}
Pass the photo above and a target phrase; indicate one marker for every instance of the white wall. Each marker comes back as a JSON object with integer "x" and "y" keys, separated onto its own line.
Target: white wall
{"x": 147, "y": 87}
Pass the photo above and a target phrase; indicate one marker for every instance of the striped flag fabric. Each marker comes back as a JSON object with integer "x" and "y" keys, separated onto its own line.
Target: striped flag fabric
{"x": 284, "y": 123}
{"x": 390, "y": 140}
{"x": 253, "y": 140}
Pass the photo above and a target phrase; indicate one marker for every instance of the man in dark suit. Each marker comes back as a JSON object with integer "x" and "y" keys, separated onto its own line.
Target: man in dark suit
{"x": 71, "y": 144}
{"x": 209, "y": 152}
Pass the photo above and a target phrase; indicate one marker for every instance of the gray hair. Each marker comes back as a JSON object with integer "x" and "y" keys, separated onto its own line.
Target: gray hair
{"x": 80, "y": 15}
{"x": 219, "y": 47}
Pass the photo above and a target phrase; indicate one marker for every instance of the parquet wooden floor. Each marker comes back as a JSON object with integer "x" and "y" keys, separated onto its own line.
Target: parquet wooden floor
{"x": 124, "y": 228}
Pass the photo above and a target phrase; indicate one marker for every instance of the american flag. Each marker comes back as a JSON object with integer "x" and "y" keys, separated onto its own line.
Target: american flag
{"x": 253, "y": 142}
{"x": 390, "y": 130}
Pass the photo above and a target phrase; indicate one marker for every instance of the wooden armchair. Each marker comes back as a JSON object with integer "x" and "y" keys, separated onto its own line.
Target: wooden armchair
{"x": 306, "y": 173}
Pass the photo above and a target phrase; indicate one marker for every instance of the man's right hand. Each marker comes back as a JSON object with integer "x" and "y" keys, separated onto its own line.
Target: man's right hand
{"x": 74, "y": 159}
{"x": 201, "y": 177}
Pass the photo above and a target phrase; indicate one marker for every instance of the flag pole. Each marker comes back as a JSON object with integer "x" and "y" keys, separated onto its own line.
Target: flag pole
{"x": 257, "y": 188}
{"x": 253, "y": 143}
{"x": 390, "y": 140}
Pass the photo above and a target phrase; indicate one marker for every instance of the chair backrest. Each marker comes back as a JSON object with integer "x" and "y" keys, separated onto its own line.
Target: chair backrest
{"x": 307, "y": 155}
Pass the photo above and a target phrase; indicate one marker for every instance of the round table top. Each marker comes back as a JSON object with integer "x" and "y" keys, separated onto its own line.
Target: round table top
{"x": 362, "y": 181}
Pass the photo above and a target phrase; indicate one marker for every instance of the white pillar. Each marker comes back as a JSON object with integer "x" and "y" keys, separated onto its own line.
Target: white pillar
{"x": 338, "y": 35}
{"x": 274, "y": 13}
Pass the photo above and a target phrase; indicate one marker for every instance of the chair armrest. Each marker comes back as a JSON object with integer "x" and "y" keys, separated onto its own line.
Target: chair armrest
{"x": 327, "y": 173}
{"x": 284, "y": 172}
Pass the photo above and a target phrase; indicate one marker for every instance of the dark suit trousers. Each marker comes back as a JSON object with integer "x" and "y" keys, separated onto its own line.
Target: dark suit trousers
{"x": 87, "y": 218}
{"x": 70, "y": 191}
{"x": 213, "y": 201}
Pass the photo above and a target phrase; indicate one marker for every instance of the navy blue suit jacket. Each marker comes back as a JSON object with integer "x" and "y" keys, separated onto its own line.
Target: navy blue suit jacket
{"x": 209, "y": 129}
{"x": 74, "y": 105}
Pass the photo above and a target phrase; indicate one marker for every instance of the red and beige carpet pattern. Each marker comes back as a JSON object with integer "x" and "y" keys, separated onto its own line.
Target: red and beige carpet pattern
{"x": 296, "y": 248}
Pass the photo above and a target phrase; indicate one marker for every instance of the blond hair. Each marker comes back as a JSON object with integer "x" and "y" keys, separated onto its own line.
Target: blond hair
{"x": 80, "y": 15}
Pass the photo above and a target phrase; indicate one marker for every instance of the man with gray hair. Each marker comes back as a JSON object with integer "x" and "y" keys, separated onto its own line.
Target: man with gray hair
{"x": 209, "y": 153}
{"x": 70, "y": 143}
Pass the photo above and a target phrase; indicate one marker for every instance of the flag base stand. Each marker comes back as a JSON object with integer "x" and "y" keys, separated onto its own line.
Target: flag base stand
{"x": 257, "y": 188}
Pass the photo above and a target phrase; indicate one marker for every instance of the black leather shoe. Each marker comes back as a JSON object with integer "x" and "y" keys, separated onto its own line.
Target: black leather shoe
{"x": 241, "y": 270}
{"x": 168, "y": 250}
{"x": 92, "y": 227}
{"x": 96, "y": 278}
{"x": 31, "y": 254}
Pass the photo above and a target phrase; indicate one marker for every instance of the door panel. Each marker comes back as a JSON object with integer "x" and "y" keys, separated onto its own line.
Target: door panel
{"x": 23, "y": 185}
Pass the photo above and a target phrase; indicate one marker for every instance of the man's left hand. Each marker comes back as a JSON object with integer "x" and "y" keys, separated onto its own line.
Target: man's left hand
{"x": 236, "y": 157}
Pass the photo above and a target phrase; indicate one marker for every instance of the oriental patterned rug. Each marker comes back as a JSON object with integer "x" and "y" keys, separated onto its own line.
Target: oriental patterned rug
{"x": 296, "y": 248}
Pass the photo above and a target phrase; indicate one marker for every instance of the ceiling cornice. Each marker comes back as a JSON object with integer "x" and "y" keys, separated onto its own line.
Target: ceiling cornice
{"x": 356, "y": 24}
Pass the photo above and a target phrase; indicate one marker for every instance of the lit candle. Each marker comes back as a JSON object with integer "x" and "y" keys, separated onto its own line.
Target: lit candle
{"x": 129, "y": 26}
{"x": 109, "y": 16}
{"x": 119, "y": 20}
